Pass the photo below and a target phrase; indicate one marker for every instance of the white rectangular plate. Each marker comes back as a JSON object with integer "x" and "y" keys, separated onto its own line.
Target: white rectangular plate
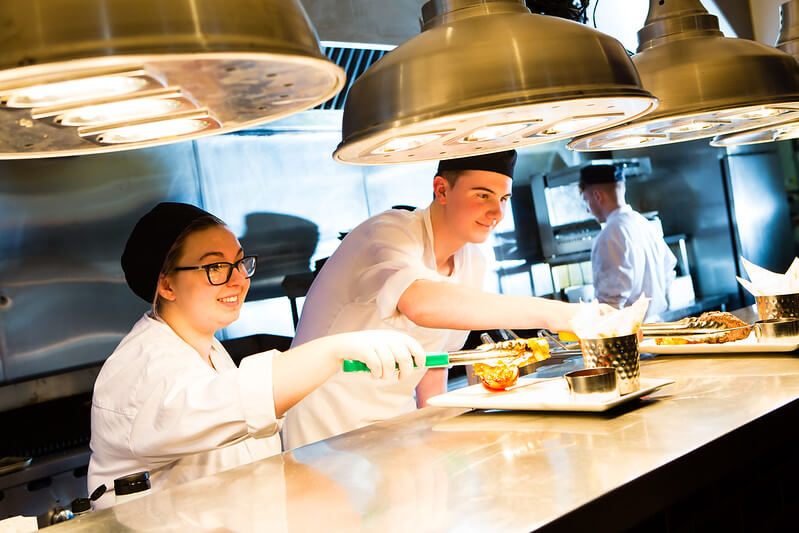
{"x": 746, "y": 345}
{"x": 536, "y": 394}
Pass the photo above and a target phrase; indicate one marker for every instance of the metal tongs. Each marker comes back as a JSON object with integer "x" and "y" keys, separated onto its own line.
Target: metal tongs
{"x": 689, "y": 327}
{"x": 564, "y": 350}
{"x": 485, "y": 352}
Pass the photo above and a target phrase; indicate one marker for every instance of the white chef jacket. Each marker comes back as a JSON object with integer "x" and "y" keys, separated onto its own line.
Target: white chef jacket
{"x": 358, "y": 288}
{"x": 629, "y": 258}
{"x": 158, "y": 406}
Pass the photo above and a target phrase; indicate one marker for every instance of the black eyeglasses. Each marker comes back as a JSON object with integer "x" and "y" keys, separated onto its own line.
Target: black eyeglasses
{"x": 219, "y": 273}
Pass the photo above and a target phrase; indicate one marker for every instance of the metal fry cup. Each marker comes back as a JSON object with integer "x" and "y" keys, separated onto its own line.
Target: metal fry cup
{"x": 778, "y": 306}
{"x": 618, "y": 352}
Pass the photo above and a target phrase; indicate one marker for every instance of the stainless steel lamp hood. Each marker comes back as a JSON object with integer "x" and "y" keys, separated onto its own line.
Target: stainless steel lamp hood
{"x": 87, "y": 76}
{"x": 483, "y": 76}
{"x": 707, "y": 84}
{"x": 788, "y": 41}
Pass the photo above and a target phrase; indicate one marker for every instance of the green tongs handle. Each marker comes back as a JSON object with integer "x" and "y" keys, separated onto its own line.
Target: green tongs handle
{"x": 433, "y": 360}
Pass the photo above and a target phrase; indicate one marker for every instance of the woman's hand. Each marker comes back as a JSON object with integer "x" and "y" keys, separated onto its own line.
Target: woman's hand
{"x": 383, "y": 351}
{"x": 298, "y": 371}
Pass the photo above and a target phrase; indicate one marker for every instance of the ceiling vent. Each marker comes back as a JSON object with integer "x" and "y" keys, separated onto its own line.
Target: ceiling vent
{"x": 354, "y": 61}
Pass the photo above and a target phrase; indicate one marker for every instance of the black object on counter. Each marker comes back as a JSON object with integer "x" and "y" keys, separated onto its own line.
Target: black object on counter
{"x": 80, "y": 506}
{"x": 132, "y": 483}
{"x": 99, "y": 491}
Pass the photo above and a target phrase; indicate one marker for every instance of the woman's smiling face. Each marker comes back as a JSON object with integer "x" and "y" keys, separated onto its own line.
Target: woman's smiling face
{"x": 207, "y": 307}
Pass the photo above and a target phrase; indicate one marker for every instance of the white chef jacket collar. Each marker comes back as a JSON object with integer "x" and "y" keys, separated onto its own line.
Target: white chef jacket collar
{"x": 619, "y": 211}
{"x": 220, "y": 362}
{"x": 430, "y": 251}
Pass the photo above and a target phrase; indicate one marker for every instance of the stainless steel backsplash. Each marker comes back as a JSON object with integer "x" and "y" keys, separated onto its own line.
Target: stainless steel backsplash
{"x": 63, "y": 224}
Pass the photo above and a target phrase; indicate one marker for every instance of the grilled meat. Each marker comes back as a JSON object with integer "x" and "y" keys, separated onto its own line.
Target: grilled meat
{"x": 720, "y": 319}
{"x": 503, "y": 373}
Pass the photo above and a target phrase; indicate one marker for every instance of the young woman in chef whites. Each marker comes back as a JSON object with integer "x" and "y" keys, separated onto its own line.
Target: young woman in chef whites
{"x": 169, "y": 399}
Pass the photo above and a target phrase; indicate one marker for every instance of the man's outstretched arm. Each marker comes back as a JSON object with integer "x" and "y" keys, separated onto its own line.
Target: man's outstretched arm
{"x": 445, "y": 305}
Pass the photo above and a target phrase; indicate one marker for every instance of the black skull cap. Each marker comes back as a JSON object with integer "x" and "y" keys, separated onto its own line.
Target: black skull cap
{"x": 150, "y": 242}
{"x": 499, "y": 162}
{"x": 595, "y": 174}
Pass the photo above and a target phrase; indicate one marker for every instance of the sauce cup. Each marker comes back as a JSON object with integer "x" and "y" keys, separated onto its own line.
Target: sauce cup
{"x": 777, "y": 329}
{"x": 601, "y": 380}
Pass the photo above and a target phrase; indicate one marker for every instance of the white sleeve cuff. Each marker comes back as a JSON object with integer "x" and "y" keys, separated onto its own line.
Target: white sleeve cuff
{"x": 257, "y": 396}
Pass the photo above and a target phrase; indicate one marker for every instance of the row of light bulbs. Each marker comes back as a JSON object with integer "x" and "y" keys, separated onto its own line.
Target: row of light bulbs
{"x": 113, "y": 106}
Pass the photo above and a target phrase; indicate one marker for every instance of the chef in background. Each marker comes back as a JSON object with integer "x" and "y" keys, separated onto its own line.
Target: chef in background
{"x": 629, "y": 258}
{"x": 418, "y": 272}
{"x": 170, "y": 400}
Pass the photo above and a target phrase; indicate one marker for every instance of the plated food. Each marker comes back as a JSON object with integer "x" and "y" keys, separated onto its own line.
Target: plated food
{"x": 502, "y": 373}
{"x": 722, "y": 320}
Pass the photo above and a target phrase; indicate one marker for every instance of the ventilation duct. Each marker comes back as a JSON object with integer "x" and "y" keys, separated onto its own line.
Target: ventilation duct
{"x": 354, "y": 62}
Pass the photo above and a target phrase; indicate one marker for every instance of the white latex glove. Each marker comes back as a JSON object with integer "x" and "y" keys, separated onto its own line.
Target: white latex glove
{"x": 383, "y": 350}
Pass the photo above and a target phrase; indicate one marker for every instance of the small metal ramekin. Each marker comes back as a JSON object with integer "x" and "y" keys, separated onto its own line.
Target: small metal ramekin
{"x": 777, "y": 329}
{"x": 593, "y": 380}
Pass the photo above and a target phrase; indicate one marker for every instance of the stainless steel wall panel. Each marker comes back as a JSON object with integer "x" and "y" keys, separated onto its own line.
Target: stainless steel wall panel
{"x": 63, "y": 226}
{"x": 389, "y": 185}
{"x": 365, "y": 21}
{"x": 761, "y": 219}
{"x": 291, "y": 174}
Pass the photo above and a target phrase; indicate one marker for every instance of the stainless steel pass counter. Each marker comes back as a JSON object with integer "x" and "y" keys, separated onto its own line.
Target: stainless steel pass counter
{"x": 728, "y": 423}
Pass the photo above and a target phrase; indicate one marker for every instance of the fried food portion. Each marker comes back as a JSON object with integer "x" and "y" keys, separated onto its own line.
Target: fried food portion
{"x": 497, "y": 377}
{"x": 670, "y": 341}
{"x": 500, "y": 374}
{"x": 721, "y": 319}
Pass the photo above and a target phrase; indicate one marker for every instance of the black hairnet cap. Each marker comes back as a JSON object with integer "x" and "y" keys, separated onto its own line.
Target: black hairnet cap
{"x": 499, "y": 162}
{"x": 150, "y": 242}
{"x": 594, "y": 174}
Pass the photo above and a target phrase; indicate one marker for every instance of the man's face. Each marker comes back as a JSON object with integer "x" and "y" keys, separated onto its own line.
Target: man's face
{"x": 475, "y": 204}
{"x": 591, "y": 198}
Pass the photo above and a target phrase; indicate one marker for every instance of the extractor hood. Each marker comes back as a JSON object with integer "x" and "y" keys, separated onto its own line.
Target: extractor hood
{"x": 88, "y": 76}
{"x": 707, "y": 84}
{"x": 483, "y": 76}
{"x": 788, "y": 41}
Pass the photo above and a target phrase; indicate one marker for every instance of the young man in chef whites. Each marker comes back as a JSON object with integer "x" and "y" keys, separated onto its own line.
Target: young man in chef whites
{"x": 420, "y": 273}
{"x": 629, "y": 257}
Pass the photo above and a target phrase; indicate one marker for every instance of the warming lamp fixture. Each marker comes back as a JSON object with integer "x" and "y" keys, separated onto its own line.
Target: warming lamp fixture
{"x": 707, "y": 84}
{"x": 485, "y": 76}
